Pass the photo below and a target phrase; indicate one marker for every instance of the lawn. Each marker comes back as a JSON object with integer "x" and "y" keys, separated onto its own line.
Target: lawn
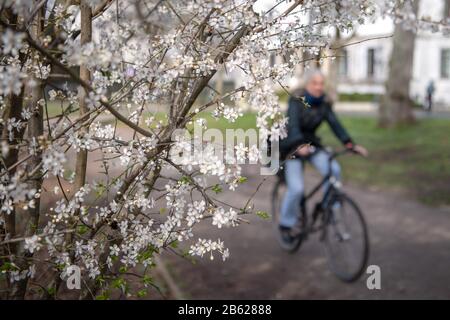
{"x": 415, "y": 159}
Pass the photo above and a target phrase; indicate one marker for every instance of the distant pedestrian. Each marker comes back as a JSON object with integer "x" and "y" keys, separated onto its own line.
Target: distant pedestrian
{"x": 430, "y": 93}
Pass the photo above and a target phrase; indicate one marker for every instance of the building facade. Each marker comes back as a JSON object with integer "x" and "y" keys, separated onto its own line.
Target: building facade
{"x": 363, "y": 68}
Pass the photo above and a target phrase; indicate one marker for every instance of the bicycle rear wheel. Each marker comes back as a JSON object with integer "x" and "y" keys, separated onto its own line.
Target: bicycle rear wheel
{"x": 346, "y": 239}
{"x": 277, "y": 198}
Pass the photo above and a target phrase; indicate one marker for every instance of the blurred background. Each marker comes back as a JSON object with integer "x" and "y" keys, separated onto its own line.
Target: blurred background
{"x": 391, "y": 89}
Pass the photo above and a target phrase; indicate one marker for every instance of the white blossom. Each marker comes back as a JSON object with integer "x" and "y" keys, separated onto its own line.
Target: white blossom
{"x": 32, "y": 244}
{"x": 53, "y": 161}
{"x": 224, "y": 218}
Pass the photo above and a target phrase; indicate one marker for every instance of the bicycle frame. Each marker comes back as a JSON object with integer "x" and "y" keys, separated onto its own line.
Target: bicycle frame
{"x": 331, "y": 190}
{"x": 329, "y": 222}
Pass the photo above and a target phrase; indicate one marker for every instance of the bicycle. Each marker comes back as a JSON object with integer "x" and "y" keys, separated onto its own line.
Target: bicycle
{"x": 336, "y": 216}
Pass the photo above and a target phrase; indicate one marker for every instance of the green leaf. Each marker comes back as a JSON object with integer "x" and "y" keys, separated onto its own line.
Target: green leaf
{"x": 119, "y": 283}
{"x": 33, "y": 226}
{"x": 147, "y": 280}
{"x": 82, "y": 229}
{"x": 242, "y": 179}
{"x": 100, "y": 189}
{"x": 217, "y": 188}
{"x": 147, "y": 254}
{"x": 186, "y": 180}
{"x": 60, "y": 267}
{"x": 100, "y": 279}
{"x": 263, "y": 215}
{"x": 51, "y": 291}
{"x": 7, "y": 266}
{"x": 123, "y": 269}
{"x": 103, "y": 296}
{"x": 162, "y": 210}
{"x": 142, "y": 293}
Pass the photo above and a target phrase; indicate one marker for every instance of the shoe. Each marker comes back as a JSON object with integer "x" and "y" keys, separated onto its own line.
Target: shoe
{"x": 286, "y": 234}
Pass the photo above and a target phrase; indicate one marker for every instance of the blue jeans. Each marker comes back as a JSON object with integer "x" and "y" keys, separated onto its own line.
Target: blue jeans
{"x": 295, "y": 185}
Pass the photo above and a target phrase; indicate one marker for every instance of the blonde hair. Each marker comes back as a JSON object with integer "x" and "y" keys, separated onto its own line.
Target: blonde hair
{"x": 310, "y": 74}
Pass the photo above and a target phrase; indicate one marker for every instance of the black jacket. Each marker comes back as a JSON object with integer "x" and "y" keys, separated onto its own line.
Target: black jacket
{"x": 303, "y": 122}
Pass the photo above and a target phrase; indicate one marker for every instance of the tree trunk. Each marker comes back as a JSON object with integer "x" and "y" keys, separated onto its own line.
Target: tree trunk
{"x": 13, "y": 109}
{"x": 333, "y": 70}
{"x": 29, "y": 219}
{"x": 82, "y": 155}
{"x": 86, "y": 37}
{"x": 396, "y": 105}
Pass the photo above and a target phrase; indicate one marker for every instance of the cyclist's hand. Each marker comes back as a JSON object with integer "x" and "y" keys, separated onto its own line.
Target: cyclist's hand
{"x": 303, "y": 151}
{"x": 360, "y": 150}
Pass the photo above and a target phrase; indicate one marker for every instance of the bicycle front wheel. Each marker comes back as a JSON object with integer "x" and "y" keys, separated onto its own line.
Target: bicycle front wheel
{"x": 346, "y": 239}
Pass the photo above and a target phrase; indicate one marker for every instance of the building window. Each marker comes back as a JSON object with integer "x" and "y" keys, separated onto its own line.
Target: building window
{"x": 371, "y": 62}
{"x": 342, "y": 61}
{"x": 445, "y": 63}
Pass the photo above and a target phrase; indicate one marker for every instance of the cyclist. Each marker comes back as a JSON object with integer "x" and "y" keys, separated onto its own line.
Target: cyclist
{"x": 307, "y": 109}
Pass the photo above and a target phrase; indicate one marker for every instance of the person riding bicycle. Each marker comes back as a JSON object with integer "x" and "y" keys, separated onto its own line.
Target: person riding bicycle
{"x": 307, "y": 109}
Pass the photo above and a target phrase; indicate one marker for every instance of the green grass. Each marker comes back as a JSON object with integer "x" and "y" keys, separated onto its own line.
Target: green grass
{"x": 247, "y": 121}
{"x": 343, "y": 97}
{"x": 358, "y": 97}
{"x": 55, "y": 108}
{"x": 415, "y": 158}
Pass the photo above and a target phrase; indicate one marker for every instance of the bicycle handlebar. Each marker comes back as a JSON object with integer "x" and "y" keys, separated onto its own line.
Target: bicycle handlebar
{"x": 338, "y": 153}
{"x": 341, "y": 152}
{"x": 332, "y": 154}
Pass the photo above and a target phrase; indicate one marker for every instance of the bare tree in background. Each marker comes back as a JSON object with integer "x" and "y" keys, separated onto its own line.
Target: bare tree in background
{"x": 396, "y": 105}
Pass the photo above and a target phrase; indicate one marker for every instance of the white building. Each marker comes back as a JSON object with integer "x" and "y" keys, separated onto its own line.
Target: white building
{"x": 363, "y": 67}
{"x": 363, "y": 64}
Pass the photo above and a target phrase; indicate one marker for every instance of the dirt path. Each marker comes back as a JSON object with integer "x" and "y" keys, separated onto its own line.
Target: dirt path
{"x": 409, "y": 241}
